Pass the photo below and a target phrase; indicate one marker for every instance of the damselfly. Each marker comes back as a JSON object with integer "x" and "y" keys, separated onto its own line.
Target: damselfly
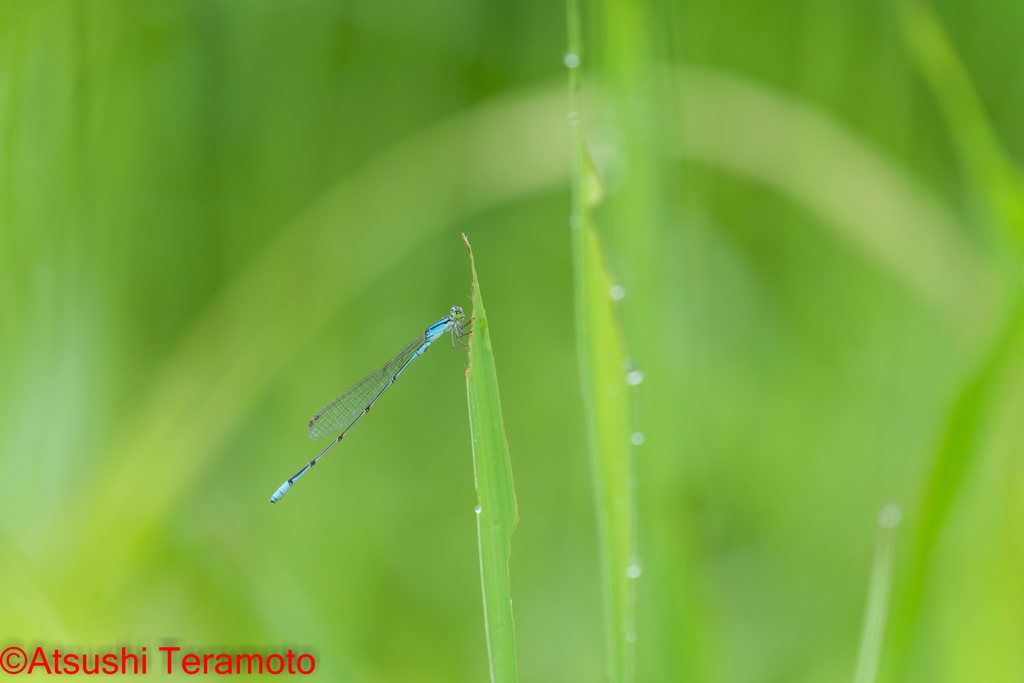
{"x": 344, "y": 411}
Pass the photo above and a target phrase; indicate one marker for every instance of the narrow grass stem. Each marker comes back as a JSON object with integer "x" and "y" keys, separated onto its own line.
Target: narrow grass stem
{"x": 877, "y": 611}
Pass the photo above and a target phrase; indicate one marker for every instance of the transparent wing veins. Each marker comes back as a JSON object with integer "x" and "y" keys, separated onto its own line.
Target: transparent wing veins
{"x": 346, "y": 408}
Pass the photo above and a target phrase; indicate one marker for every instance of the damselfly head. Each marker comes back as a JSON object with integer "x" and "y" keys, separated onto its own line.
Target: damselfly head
{"x": 457, "y": 313}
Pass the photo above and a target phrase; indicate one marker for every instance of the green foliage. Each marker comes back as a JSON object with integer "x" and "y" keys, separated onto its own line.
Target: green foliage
{"x": 497, "y": 512}
{"x": 999, "y": 186}
{"x": 214, "y": 216}
{"x": 601, "y": 355}
{"x": 607, "y": 401}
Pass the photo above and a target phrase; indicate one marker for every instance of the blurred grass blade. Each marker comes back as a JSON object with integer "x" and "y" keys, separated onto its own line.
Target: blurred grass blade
{"x": 607, "y": 405}
{"x": 606, "y": 397}
{"x": 497, "y": 511}
{"x": 878, "y": 596}
{"x": 956, "y": 452}
{"x": 993, "y": 173}
{"x": 27, "y": 605}
{"x": 757, "y": 132}
{"x": 998, "y": 182}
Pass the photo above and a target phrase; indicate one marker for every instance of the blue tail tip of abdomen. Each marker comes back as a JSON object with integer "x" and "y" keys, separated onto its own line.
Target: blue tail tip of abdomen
{"x": 279, "y": 494}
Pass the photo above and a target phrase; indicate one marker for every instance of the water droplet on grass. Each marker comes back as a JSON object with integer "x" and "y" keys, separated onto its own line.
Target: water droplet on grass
{"x": 571, "y": 60}
{"x": 634, "y": 377}
{"x": 890, "y": 516}
{"x": 637, "y": 438}
{"x": 633, "y": 571}
{"x": 617, "y": 293}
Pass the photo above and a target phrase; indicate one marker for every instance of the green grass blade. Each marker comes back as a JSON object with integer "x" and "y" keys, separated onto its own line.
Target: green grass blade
{"x": 607, "y": 401}
{"x": 861, "y": 193}
{"x": 956, "y": 454}
{"x": 998, "y": 182}
{"x": 606, "y": 396}
{"x": 990, "y": 168}
{"x": 873, "y": 632}
{"x": 498, "y": 512}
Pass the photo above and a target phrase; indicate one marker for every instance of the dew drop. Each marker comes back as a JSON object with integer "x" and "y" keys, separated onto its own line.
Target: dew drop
{"x": 637, "y": 438}
{"x": 890, "y": 516}
{"x": 631, "y": 637}
{"x": 478, "y": 509}
{"x": 634, "y": 377}
{"x": 571, "y": 60}
{"x": 573, "y": 118}
{"x": 617, "y": 293}
{"x": 633, "y": 571}
{"x": 575, "y": 221}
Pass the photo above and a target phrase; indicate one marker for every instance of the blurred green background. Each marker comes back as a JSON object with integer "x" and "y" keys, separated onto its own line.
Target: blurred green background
{"x": 215, "y": 216}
